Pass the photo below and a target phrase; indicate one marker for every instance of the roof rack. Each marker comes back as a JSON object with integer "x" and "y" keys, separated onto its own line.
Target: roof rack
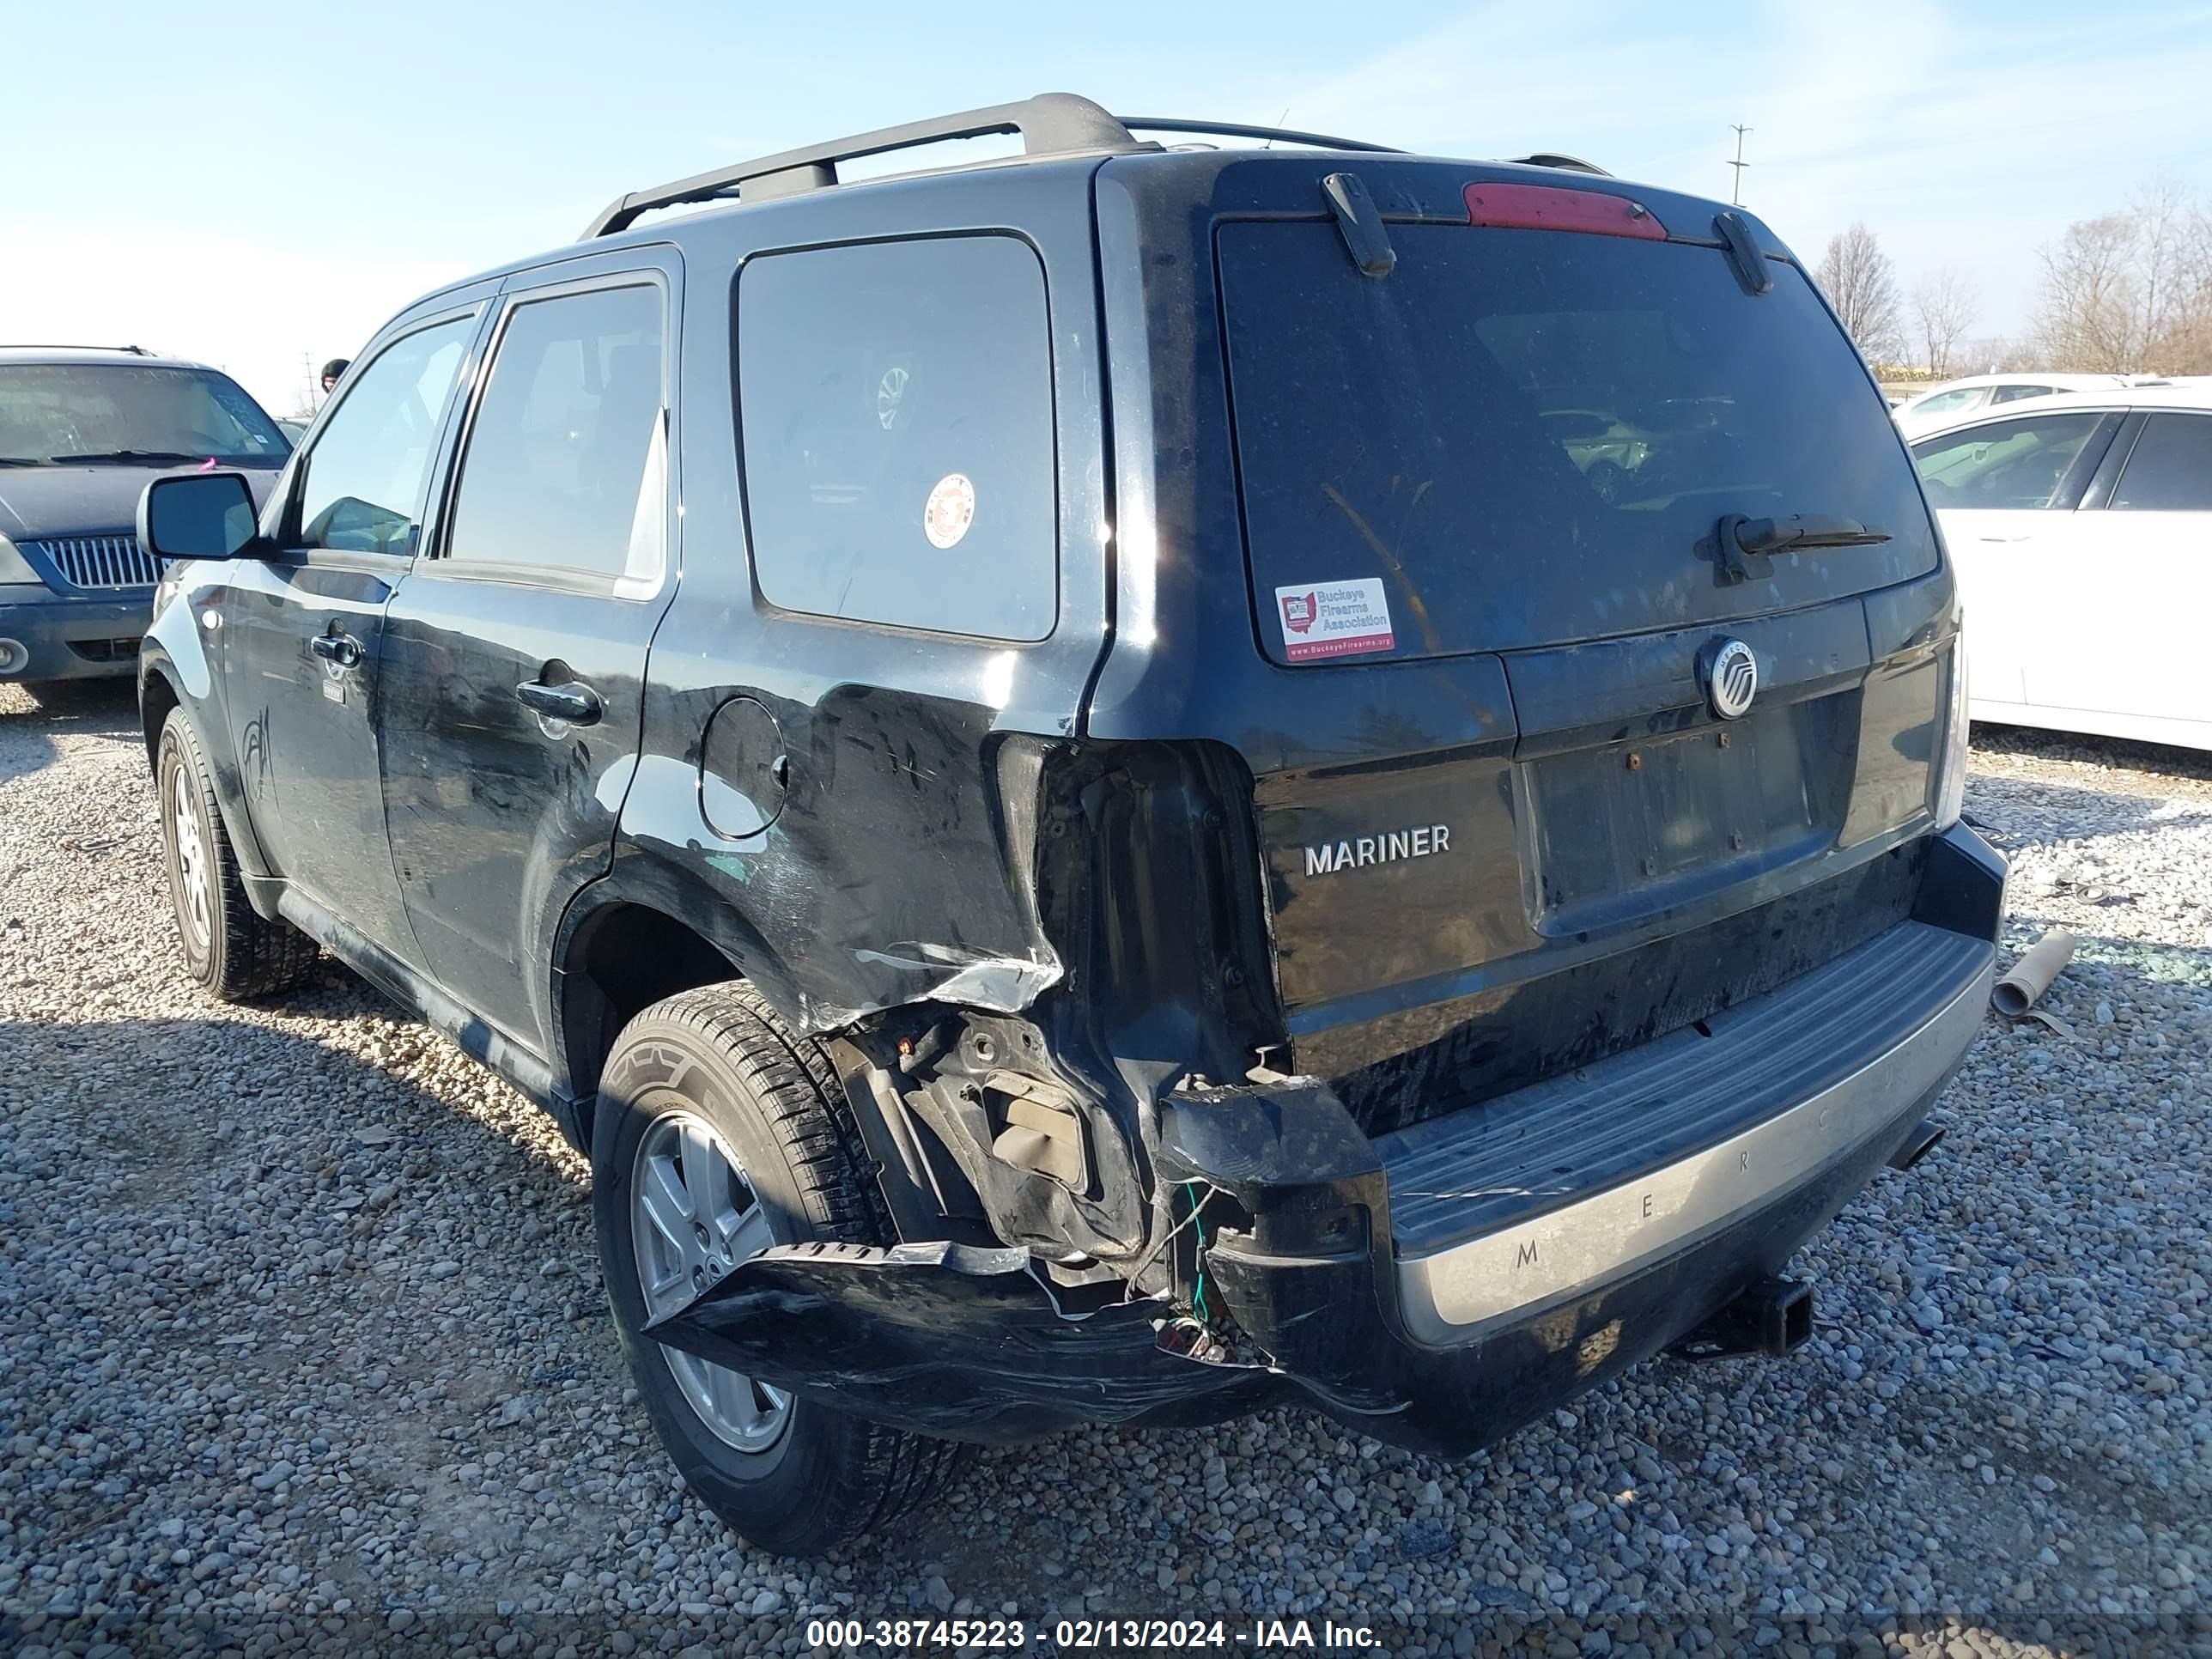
{"x": 57, "y": 345}
{"x": 1545, "y": 158}
{"x": 1051, "y": 124}
{"x": 1235, "y": 130}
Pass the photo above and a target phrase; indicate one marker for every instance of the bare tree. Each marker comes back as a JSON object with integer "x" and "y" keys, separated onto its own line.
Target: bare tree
{"x": 2192, "y": 342}
{"x": 2178, "y": 298}
{"x": 1945, "y": 305}
{"x": 2131, "y": 292}
{"x": 2087, "y": 319}
{"x": 1861, "y": 284}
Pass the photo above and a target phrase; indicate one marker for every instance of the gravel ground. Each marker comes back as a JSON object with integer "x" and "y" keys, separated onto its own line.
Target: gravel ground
{"x": 301, "y": 1342}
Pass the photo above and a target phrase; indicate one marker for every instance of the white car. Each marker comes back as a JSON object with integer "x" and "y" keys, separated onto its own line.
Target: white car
{"x": 2081, "y": 528}
{"x": 1956, "y": 400}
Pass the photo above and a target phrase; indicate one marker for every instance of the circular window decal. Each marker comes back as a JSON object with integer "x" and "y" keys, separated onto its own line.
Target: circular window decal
{"x": 950, "y": 510}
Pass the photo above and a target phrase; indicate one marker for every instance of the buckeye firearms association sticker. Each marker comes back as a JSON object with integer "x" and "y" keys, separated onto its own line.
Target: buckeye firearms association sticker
{"x": 1333, "y": 619}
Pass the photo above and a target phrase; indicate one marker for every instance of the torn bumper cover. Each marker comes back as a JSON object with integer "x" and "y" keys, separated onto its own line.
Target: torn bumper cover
{"x": 1478, "y": 1310}
{"x": 949, "y": 1339}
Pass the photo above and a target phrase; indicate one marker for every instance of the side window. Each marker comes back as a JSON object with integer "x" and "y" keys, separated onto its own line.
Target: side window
{"x": 566, "y": 463}
{"x": 896, "y": 405}
{"x": 2013, "y": 394}
{"x": 2170, "y": 469}
{"x": 361, "y": 486}
{"x": 2004, "y": 464}
{"x": 1948, "y": 403}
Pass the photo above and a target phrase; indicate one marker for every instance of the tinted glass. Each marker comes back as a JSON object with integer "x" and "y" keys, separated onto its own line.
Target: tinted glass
{"x": 1946, "y": 403}
{"x": 2013, "y": 394}
{"x": 60, "y": 412}
{"x": 560, "y": 445}
{"x": 2170, "y": 469}
{"x": 2019, "y": 463}
{"x": 897, "y": 401}
{"x": 361, "y": 487}
{"x": 1527, "y": 437}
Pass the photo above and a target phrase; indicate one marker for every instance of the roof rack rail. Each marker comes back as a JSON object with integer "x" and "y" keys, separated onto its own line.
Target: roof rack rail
{"x": 61, "y": 345}
{"x": 1545, "y": 158}
{"x": 1050, "y": 123}
{"x": 1236, "y": 129}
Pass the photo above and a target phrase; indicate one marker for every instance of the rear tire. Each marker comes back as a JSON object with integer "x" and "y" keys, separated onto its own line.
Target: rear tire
{"x": 228, "y": 948}
{"x": 718, "y": 1060}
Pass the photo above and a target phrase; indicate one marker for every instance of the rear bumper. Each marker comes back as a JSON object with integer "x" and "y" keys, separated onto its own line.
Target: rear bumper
{"x": 65, "y": 637}
{"x": 1488, "y": 1300}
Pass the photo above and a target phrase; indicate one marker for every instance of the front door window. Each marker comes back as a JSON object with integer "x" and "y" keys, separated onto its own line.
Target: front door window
{"x": 361, "y": 486}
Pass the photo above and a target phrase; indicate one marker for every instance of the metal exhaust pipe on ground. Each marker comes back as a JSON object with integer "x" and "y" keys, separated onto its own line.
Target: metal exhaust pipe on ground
{"x": 1916, "y": 1144}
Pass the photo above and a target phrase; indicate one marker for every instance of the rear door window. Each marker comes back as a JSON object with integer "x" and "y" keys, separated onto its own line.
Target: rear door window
{"x": 564, "y": 469}
{"x": 1524, "y": 438}
{"x": 2025, "y": 462}
{"x": 896, "y": 415}
{"x": 2170, "y": 469}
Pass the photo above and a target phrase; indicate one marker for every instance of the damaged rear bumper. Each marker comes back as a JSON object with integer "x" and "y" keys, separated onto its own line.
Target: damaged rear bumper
{"x": 952, "y": 1339}
{"x": 1422, "y": 1287}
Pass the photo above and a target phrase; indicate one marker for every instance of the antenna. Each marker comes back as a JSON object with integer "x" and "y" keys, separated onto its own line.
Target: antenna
{"x": 1735, "y": 195}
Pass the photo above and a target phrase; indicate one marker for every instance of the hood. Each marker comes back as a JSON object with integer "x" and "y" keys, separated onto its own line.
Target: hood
{"x": 40, "y": 502}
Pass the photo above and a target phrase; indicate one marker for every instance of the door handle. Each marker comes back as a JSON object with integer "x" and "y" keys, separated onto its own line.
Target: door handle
{"x": 2001, "y": 538}
{"x": 572, "y": 703}
{"x": 343, "y": 649}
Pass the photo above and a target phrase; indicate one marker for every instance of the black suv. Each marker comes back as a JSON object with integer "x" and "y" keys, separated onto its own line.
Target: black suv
{"x": 80, "y": 428}
{"x": 1117, "y": 785}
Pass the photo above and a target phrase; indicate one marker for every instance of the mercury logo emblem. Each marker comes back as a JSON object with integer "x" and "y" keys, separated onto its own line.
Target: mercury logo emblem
{"x": 1731, "y": 676}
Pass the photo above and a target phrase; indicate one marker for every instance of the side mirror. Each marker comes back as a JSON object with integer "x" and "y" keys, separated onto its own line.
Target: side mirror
{"x": 198, "y": 515}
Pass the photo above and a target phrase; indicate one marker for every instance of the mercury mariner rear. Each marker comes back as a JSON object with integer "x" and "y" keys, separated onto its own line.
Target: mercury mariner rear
{"x": 1507, "y": 872}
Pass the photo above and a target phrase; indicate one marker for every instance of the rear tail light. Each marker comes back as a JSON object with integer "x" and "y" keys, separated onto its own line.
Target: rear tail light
{"x": 1547, "y": 207}
{"x": 1951, "y": 765}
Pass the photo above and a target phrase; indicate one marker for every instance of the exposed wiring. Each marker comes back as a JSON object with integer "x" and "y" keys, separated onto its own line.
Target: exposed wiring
{"x": 1198, "y": 1293}
{"x": 1168, "y": 1238}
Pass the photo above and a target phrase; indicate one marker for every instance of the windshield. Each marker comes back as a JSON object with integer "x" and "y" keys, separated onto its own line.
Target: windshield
{"x": 1527, "y": 437}
{"x": 58, "y": 413}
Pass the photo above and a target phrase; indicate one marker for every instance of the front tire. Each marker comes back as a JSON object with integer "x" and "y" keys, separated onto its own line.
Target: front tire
{"x": 228, "y": 948}
{"x": 719, "y": 1132}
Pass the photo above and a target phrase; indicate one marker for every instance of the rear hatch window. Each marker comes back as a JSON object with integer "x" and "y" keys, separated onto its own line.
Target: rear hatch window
{"x": 1522, "y": 438}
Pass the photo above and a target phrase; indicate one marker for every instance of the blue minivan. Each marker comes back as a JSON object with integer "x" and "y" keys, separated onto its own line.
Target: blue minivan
{"x": 80, "y": 427}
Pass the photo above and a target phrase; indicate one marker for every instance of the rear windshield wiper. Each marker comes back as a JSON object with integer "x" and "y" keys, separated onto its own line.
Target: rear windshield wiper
{"x": 1743, "y": 539}
{"x": 164, "y": 457}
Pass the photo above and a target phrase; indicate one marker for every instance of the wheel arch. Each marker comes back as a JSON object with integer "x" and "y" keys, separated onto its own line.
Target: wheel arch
{"x": 167, "y": 685}
{"x": 157, "y": 696}
{"x": 624, "y": 946}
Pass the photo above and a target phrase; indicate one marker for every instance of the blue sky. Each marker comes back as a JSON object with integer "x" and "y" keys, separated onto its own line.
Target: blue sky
{"x": 255, "y": 185}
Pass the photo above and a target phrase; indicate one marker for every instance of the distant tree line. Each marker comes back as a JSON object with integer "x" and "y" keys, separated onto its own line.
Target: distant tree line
{"x": 2125, "y": 293}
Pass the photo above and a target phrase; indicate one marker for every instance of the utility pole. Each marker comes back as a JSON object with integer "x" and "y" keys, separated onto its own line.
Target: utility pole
{"x": 1735, "y": 196}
